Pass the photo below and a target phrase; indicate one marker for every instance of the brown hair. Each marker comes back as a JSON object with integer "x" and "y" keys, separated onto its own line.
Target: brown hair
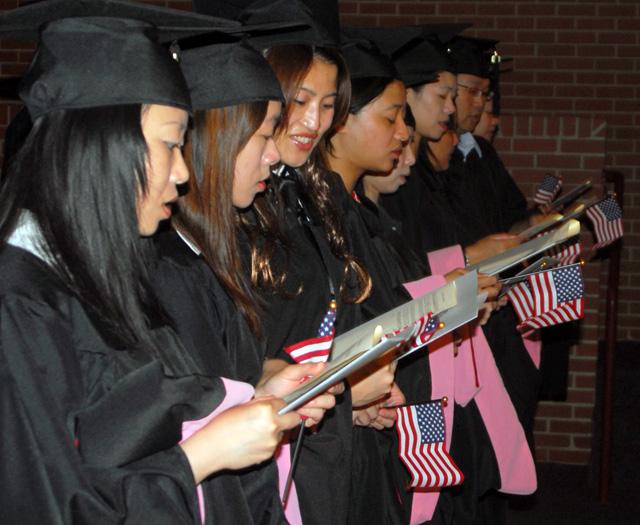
{"x": 207, "y": 215}
{"x": 291, "y": 64}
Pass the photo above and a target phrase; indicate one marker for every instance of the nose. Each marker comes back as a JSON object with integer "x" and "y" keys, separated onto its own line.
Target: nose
{"x": 271, "y": 154}
{"x": 402, "y": 132}
{"x": 449, "y": 105}
{"x": 311, "y": 118}
{"x": 409, "y": 155}
{"x": 179, "y": 170}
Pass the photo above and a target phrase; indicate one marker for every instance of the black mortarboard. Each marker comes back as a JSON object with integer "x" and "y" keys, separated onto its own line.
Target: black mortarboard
{"x": 365, "y": 60}
{"x": 472, "y": 56}
{"x": 418, "y": 52}
{"x": 25, "y": 22}
{"x": 421, "y": 62}
{"x": 100, "y": 61}
{"x": 228, "y": 74}
{"x": 319, "y": 17}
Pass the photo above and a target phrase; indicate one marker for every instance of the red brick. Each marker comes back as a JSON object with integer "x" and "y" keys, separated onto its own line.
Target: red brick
{"x": 535, "y": 145}
{"x": 574, "y": 63}
{"x": 569, "y": 427}
{"x": 584, "y": 442}
{"x": 531, "y": 9}
{"x": 576, "y": 37}
{"x": 536, "y": 36}
{"x": 546, "y": 23}
{"x": 370, "y": 8}
{"x": 580, "y": 396}
{"x": 576, "y": 9}
{"x": 596, "y": 51}
{"x": 554, "y": 104}
{"x": 556, "y": 50}
{"x": 520, "y": 103}
{"x": 517, "y": 49}
{"x": 576, "y": 91}
{"x": 574, "y": 457}
{"x": 596, "y": 24}
{"x": 621, "y": 64}
{"x": 629, "y": 24}
{"x": 534, "y": 91}
{"x": 554, "y": 77}
{"x": 516, "y": 161}
{"x": 594, "y": 105}
{"x": 456, "y": 8}
{"x": 415, "y": 8}
{"x": 617, "y": 38}
{"x": 558, "y": 161}
{"x": 542, "y": 455}
{"x": 628, "y": 51}
{"x": 553, "y": 410}
{"x": 552, "y": 440}
{"x": 497, "y": 9}
{"x": 584, "y": 381}
{"x": 617, "y": 10}
{"x": 514, "y": 22}
{"x": 595, "y": 78}
{"x": 396, "y": 20}
{"x": 583, "y": 412}
{"x": 592, "y": 163}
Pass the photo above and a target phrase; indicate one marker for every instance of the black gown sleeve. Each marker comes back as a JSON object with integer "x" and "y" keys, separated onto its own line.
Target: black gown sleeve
{"x": 49, "y": 474}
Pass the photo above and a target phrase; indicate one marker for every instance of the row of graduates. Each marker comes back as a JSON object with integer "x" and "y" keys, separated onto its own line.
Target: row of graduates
{"x": 142, "y": 371}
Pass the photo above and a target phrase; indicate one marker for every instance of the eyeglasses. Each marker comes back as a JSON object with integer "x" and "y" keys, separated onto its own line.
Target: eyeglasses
{"x": 477, "y": 92}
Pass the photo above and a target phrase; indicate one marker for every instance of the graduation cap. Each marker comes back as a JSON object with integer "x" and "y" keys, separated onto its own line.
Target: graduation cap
{"x": 365, "y": 60}
{"x": 25, "y": 22}
{"x": 319, "y": 17}
{"x": 418, "y": 52}
{"x": 474, "y": 56}
{"x": 228, "y": 74}
{"x": 100, "y": 61}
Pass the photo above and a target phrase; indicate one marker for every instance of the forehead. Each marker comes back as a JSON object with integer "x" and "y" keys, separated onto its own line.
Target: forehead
{"x": 473, "y": 80}
{"x": 321, "y": 78}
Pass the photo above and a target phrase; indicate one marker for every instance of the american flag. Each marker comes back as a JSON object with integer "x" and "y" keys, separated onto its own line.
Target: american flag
{"x": 422, "y": 446}
{"x": 607, "y": 221}
{"x": 548, "y": 189}
{"x": 427, "y": 326}
{"x": 550, "y": 297}
{"x": 316, "y": 349}
{"x": 566, "y": 252}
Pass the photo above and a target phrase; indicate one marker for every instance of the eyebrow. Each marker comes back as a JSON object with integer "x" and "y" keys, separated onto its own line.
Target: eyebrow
{"x": 181, "y": 125}
{"x": 313, "y": 93}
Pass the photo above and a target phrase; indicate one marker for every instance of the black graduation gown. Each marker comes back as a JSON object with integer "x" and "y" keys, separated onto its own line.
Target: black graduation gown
{"x": 323, "y": 475}
{"x": 428, "y": 220}
{"x": 502, "y": 205}
{"x": 379, "y": 478}
{"x": 217, "y": 335}
{"x": 90, "y": 431}
{"x": 482, "y": 189}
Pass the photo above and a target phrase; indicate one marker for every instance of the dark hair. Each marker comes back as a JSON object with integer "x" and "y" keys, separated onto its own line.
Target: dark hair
{"x": 79, "y": 173}
{"x": 366, "y": 90}
{"x": 291, "y": 64}
{"x": 207, "y": 215}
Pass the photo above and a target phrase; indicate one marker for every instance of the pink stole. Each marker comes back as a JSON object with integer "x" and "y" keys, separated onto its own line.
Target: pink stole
{"x": 473, "y": 374}
{"x": 237, "y": 393}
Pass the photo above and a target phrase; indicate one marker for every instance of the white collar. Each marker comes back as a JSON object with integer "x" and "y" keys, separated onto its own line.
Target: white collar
{"x": 28, "y": 236}
{"x": 190, "y": 244}
{"x": 468, "y": 143}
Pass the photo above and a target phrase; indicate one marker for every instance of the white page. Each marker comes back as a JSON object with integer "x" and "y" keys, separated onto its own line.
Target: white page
{"x": 438, "y": 301}
{"x": 499, "y": 263}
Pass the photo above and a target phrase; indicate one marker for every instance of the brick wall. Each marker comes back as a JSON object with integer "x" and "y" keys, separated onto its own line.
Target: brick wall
{"x": 571, "y": 105}
{"x": 574, "y": 148}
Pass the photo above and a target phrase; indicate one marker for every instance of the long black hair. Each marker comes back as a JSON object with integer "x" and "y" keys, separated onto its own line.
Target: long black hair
{"x": 79, "y": 173}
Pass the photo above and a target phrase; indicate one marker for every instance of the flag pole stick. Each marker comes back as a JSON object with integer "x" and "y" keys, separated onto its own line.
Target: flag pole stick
{"x": 294, "y": 461}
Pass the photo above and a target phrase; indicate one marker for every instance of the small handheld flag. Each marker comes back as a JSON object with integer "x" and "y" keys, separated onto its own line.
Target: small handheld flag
{"x": 547, "y": 190}
{"x": 550, "y": 297}
{"x": 606, "y": 217}
{"x": 422, "y": 449}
